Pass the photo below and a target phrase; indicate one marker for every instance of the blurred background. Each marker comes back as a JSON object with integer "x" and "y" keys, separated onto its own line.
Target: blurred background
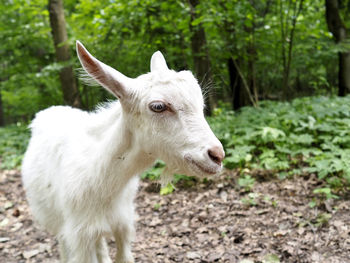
{"x": 277, "y": 73}
{"x": 246, "y": 51}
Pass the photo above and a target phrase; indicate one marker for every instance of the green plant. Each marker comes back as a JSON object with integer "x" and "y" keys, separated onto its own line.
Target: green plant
{"x": 250, "y": 200}
{"x": 247, "y": 182}
{"x": 13, "y": 143}
{"x": 155, "y": 172}
{"x": 322, "y": 219}
{"x": 326, "y": 192}
{"x": 306, "y": 135}
{"x": 156, "y": 206}
{"x": 168, "y": 189}
{"x": 271, "y": 258}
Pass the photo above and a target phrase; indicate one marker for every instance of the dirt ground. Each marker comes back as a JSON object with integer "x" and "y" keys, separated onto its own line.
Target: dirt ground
{"x": 211, "y": 222}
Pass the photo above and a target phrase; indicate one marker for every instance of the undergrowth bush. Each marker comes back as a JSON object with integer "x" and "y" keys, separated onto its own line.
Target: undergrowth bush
{"x": 13, "y": 143}
{"x": 307, "y": 135}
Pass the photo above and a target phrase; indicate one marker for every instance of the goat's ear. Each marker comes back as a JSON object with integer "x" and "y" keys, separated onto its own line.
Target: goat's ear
{"x": 158, "y": 62}
{"x": 111, "y": 79}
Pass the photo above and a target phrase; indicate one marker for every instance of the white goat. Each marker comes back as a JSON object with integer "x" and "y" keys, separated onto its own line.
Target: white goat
{"x": 80, "y": 169}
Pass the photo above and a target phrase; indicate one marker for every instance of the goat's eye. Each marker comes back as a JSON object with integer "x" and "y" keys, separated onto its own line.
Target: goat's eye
{"x": 158, "y": 106}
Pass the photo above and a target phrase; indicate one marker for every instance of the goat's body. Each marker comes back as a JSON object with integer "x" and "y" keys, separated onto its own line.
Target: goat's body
{"x": 80, "y": 169}
{"x": 71, "y": 190}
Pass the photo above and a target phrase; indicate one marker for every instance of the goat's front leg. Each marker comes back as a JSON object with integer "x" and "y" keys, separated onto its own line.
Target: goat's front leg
{"x": 82, "y": 248}
{"x": 123, "y": 236}
{"x": 64, "y": 252}
{"x": 102, "y": 251}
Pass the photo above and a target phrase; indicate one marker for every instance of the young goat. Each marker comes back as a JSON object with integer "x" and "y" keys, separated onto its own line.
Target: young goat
{"x": 80, "y": 169}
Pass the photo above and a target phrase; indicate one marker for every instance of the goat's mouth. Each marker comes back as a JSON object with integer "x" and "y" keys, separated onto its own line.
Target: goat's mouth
{"x": 199, "y": 167}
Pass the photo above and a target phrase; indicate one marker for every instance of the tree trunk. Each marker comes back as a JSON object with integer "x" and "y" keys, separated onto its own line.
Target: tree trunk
{"x": 70, "y": 90}
{"x": 2, "y": 117}
{"x": 252, "y": 73}
{"x": 287, "y": 53}
{"x": 344, "y": 73}
{"x": 201, "y": 57}
{"x": 252, "y": 57}
{"x": 337, "y": 27}
{"x": 235, "y": 85}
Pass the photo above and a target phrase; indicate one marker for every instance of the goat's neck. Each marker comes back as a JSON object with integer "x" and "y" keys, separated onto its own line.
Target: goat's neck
{"x": 123, "y": 157}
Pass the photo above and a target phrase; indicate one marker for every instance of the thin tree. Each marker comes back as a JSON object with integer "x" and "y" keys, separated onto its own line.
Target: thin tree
{"x": 287, "y": 37}
{"x": 70, "y": 90}
{"x": 241, "y": 67}
{"x": 201, "y": 56}
{"x": 261, "y": 9}
{"x": 235, "y": 84}
{"x": 337, "y": 27}
{"x": 240, "y": 96}
{"x": 2, "y": 118}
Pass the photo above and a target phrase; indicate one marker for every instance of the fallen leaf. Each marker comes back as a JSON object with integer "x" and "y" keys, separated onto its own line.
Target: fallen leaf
{"x": 30, "y": 254}
{"x": 4, "y": 222}
{"x": 192, "y": 255}
{"x": 4, "y": 239}
{"x": 271, "y": 258}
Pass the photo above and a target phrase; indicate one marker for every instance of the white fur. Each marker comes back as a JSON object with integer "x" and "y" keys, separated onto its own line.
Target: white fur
{"x": 80, "y": 169}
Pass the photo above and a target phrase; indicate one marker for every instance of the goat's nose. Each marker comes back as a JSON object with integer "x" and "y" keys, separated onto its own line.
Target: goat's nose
{"x": 216, "y": 154}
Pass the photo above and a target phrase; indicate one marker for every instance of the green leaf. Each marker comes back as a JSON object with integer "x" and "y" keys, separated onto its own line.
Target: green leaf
{"x": 269, "y": 133}
{"x": 167, "y": 189}
{"x": 271, "y": 258}
{"x": 327, "y": 192}
{"x": 246, "y": 182}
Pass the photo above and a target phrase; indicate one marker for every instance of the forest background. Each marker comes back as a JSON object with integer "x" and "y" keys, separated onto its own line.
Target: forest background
{"x": 277, "y": 78}
{"x": 277, "y": 72}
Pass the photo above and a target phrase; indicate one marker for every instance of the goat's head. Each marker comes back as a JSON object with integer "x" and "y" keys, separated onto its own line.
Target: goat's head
{"x": 164, "y": 110}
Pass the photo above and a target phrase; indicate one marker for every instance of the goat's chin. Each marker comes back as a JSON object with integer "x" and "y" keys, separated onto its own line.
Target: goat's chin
{"x": 200, "y": 168}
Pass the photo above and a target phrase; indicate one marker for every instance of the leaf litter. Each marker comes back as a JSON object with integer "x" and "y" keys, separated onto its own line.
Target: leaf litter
{"x": 207, "y": 222}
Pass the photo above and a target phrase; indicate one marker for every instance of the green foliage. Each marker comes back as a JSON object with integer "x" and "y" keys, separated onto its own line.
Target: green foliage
{"x": 307, "y": 135}
{"x": 168, "y": 189}
{"x": 124, "y": 34}
{"x": 274, "y": 203}
{"x": 28, "y": 77}
{"x": 157, "y": 206}
{"x": 271, "y": 258}
{"x": 326, "y": 191}
{"x": 247, "y": 182}
{"x": 155, "y": 172}
{"x": 251, "y": 199}
{"x": 322, "y": 219}
{"x": 13, "y": 143}
{"x": 238, "y": 156}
